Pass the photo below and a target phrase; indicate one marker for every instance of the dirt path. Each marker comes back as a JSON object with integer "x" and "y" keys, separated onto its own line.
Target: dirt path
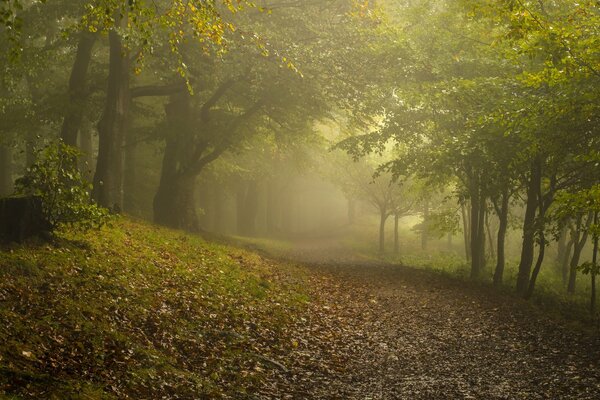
{"x": 385, "y": 332}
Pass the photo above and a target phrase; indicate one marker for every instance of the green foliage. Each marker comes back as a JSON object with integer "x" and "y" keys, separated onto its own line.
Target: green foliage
{"x": 64, "y": 194}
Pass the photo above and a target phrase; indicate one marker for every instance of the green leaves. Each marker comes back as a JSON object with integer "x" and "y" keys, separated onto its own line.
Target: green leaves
{"x": 65, "y": 197}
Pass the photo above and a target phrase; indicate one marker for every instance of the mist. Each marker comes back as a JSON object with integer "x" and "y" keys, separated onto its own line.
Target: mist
{"x": 299, "y": 199}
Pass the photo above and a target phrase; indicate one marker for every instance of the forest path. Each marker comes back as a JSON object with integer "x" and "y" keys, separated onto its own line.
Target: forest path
{"x": 378, "y": 331}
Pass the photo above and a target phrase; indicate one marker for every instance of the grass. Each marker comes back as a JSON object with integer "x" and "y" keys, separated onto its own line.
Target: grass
{"x": 136, "y": 311}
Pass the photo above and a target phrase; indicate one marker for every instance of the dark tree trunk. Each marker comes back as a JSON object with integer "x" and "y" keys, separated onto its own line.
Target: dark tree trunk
{"x": 594, "y": 264}
{"x": 86, "y": 144}
{"x": 107, "y": 178}
{"x": 424, "y": 233}
{"x": 537, "y": 268}
{"x": 502, "y": 211}
{"x": 528, "y": 245}
{"x": 174, "y": 204}
{"x": 561, "y": 247}
{"x": 382, "y": 219}
{"x": 396, "y": 236}
{"x": 477, "y": 234}
{"x": 565, "y": 262}
{"x": 580, "y": 240}
{"x": 6, "y": 167}
{"x": 77, "y": 89}
{"x": 130, "y": 204}
{"x": 466, "y": 230}
{"x": 489, "y": 236}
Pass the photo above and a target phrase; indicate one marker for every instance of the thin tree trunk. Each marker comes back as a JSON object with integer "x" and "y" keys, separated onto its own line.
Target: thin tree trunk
{"x": 396, "y": 236}
{"x": 77, "y": 89}
{"x": 489, "y": 236}
{"x": 580, "y": 241}
{"x": 383, "y": 217}
{"x": 527, "y": 249}
{"x": 542, "y": 246}
{"x": 565, "y": 262}
{"x": 466, "y": 230}
{"x": 424, "y": 233}
{"x": 594, "y": 264}
{"x": 6, "y": 167}
{"x": 107, "y": 178}
{"x": 218, "y": 209}
{"x": 474, "y": 236}
{"x": 130, "y": 204}
{"x": 561, "y": 247}
{"x": 501, "y": 239}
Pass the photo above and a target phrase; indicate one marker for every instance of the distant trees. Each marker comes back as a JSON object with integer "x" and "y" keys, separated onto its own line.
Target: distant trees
{"x": 501, "y": 99}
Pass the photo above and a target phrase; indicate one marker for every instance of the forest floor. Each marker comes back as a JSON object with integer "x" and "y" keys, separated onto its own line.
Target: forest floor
{"x": 380, "y": 331}
{"x": 141, "y": 312}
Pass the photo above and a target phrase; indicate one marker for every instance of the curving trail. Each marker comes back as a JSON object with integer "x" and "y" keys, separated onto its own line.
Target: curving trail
{"x": 386, "y": 332}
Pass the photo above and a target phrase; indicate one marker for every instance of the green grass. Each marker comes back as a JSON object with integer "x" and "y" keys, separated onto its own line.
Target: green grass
{"x": 136, "y": 311}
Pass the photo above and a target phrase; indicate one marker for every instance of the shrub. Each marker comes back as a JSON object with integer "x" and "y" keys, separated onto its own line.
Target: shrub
{"x": 64, "y": 194}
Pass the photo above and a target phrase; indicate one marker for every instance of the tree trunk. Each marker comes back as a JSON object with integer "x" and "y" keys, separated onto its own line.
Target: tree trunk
{"x": 581, "y": 237}
{"x": 537, "y": 268}
{"x": 382, "y": 220}
{"x": 501, "y": 239}
{"x": 251, "y": 207}
{"x": 489, "y": 236}
{"x": 594, "y": 264}
{"x": 565, "y": 262}
{"x": 477, "y": 234}
{"x": 528, "y": 245}
{"x": 77, "y": 89}
{"x": 424, "y": 233}
{"x": 561, "y": 247}
{"x": 86, "y": 144}
{"x": 130, "y": 204}
{"x": 396, "y": 236}
{"x": 6, "y": 181}
{"x": 107, "y": 182}
{"x": 174, "y": 204}
{"x": 466, "y": 231}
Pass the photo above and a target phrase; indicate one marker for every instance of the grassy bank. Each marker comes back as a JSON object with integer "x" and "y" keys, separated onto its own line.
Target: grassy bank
{"x": 140, "y": 312}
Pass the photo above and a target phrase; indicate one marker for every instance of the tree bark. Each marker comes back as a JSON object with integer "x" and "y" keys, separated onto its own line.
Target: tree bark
{"x": 396, "y": 236}
{"x": 382, "y": 220}
{"x": 565, "y": 262}
{"x": 107, "y": 178}
{"x": 6, "y": 167}
{"x": 561, "y": 247}
{"x": 86, "y": 144}
{"x": 527, "y": 249}
{"x": 502, "y": 211}
{"x": 77, "y": 89}
{"x": 466, "y": 231}
{"x": 542, "y": 245}
{"x": 594, "y": 264}
{"x": 174, "y": 204}
{"x": 580, "y": 240}
{"x": 424, "y": 233}
{"x": 130, "y": 203}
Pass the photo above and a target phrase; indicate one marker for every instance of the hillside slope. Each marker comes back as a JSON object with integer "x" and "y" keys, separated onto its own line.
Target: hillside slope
{"x": 136, "y": 311}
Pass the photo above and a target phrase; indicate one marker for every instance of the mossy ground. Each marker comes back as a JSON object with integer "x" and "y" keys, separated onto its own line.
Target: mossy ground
{"x": 136, "y": 311}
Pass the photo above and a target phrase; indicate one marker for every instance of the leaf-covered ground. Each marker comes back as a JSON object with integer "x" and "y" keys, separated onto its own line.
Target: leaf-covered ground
{"x": 387, "y": 332}
{"x": 139, "y": 312}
